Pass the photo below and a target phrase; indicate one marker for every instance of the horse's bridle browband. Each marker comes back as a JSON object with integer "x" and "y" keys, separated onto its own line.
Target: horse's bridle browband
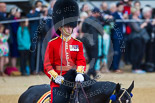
{"x": 119, "y": 99}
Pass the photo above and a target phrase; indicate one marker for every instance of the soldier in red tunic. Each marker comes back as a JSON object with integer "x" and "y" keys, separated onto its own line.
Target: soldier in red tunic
{"x": 64, "y": 47}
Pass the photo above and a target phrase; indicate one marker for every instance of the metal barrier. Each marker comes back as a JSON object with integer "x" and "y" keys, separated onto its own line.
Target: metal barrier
{"x": 21, "y": 20}
{"x": 38, "y": 18}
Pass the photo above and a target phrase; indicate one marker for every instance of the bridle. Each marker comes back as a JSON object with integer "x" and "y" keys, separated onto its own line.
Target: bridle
{"x": 77, "y": 91}
{"x": 77, "y": 95}
{"x": 119, "y": 99}
{"x": 124, "y": 91}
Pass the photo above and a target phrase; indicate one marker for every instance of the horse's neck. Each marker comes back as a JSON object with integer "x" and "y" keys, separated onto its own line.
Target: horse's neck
{"x": 105, "y": 87}
{"x": 101, "y": 91}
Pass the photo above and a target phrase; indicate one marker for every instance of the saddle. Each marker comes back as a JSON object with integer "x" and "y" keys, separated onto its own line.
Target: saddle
{"x": 45, "y": 98}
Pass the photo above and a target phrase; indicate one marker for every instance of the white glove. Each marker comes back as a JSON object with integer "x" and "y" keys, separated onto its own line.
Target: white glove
{"x": 59, "y": 79}
{"x": 79, "y": 78}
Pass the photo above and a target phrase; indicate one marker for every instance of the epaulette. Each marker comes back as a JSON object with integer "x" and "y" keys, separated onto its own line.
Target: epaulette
{"x": 53, "y": 39}
{"x": 76, "y": 39}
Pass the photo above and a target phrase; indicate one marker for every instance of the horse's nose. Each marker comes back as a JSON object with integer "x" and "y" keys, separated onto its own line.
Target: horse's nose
{"x": 127, "y": 101}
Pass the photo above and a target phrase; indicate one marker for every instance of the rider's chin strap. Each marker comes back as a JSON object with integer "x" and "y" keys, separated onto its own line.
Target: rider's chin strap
{"x": 65, "y": 31}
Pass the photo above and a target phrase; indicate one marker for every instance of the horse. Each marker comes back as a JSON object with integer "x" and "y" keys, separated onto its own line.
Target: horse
{"x": 89, "y": 91}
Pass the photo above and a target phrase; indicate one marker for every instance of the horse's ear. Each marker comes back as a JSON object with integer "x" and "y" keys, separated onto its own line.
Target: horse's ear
{"x": 118, "y": 87}
{"x": 131, "y": 87}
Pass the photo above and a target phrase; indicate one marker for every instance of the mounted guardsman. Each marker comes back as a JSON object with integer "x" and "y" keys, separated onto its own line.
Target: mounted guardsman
{"x": 64, "y": 52}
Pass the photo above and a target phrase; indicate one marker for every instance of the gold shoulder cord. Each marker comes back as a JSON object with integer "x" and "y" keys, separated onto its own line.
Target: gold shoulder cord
{"x": 53, "y": 39}
{"x": 76, "y": 39}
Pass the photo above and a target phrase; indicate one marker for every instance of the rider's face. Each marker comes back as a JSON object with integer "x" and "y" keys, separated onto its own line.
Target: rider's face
{"x": 67, "y": 30}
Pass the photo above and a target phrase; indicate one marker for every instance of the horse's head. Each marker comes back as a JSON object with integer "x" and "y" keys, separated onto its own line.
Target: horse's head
{"x": 122, "y": 95}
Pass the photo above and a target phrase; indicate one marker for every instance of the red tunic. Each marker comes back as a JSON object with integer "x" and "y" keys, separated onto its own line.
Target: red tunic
{"x": 72, "y": 55}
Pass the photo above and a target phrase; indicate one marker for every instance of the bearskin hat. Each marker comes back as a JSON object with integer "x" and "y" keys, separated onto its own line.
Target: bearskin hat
{"x": 65, "y": 13}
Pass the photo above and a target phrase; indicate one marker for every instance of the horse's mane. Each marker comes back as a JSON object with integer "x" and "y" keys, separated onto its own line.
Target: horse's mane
{"x": 88, "y": 82}
{"x": 71, "y": 74}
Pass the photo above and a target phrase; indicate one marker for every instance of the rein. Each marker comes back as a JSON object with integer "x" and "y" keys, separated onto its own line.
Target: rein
{"x": 76, "y": 93}
{"x": 77, "y": 90}
{"x": 84, "y": 93}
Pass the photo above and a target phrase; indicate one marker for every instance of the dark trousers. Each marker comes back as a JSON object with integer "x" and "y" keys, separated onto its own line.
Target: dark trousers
{"x": 127, "y": 51}
{"x": 150, "y": 52}
{"x": 117, "y": 53}
{"x": 33, "y": 51}
{"x": 137, "y": 51}
{"x": 24, "y": 57}
{"x": 41, "y": 56}
{"x": 93, "y": 56}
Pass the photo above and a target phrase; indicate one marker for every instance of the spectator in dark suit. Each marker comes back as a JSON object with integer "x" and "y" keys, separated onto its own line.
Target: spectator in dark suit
{"x": 13, "y": 45}
{"x": 45, "y": 30}
{"x": 34, "y": 29}
{"x": 117, "y": 37}
{"x": 90, "y": 39}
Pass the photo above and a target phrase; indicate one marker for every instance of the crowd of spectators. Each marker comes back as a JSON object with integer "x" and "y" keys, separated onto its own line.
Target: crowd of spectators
{"x": 19, "y": 40}
{"x": 100, "y": 29}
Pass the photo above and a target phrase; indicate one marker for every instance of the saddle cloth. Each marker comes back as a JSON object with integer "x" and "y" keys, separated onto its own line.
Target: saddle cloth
{"x": 45, "y": 98}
